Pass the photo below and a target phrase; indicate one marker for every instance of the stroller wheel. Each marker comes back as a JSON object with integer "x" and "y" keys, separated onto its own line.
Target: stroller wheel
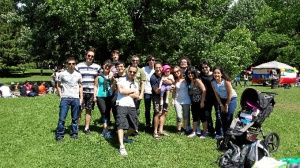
{"x": 272, "y": 141}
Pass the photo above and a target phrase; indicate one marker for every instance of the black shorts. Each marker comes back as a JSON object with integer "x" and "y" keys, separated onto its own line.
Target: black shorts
{"x": 88, "y": 101}
{"x": 126, "y": 118}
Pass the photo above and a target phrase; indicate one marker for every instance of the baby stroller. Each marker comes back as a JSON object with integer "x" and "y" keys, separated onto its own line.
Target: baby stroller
{"x": 245, "y": 127}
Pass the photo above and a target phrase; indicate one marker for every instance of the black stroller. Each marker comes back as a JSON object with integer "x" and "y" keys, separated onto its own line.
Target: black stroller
{"x": 256, "y": 107}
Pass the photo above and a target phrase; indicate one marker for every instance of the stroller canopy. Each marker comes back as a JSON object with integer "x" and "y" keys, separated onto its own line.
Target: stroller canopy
{"x": 257, "y": 98}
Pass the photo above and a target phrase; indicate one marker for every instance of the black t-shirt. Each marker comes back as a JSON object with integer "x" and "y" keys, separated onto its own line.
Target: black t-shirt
{"x": 23, "y": 90}
{"x": 115, "y": 93}
{"x": 35, "y": 89}
{"x": 206, "y": 80}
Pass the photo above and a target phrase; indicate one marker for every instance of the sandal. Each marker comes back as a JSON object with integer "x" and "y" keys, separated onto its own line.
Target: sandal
{"x": 156, "y": 136}
{"x": 164, "y": 134}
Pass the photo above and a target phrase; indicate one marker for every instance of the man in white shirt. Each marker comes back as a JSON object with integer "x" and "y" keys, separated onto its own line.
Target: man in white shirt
{"x": 149, "y": 70}
{"x": 126, "y": 110}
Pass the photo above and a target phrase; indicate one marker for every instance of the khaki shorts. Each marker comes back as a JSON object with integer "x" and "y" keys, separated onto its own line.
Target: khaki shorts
{"x": 156, "y": 105}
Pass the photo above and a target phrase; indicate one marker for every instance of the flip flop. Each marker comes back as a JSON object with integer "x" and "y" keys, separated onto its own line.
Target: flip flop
{"x": 164, "y": 134}
{"x": 156, "y": 136}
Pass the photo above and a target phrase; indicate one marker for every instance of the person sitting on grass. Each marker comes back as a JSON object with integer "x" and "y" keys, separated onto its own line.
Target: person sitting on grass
{"x": 42, "y": 89}
{"x": 163, "y": 85}
{"x": 5, "y": 91}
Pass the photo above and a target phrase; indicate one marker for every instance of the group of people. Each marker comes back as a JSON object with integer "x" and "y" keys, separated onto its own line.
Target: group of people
{"x": 119, "y": 89}
{"x": 23, "y": 89}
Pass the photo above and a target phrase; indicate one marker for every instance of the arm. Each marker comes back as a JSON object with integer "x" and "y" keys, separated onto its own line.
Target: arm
{"x": 125, "y": 91}
{"x": 58, "y": 88}
{"x": 142, "y": 90}
{"x": 202, "y": 87}
{"x": 229, "y": 91}
{"x": 95, "y": 88}
{"x": 173, "y": 97}
{"x": 80, "y": 93}
{"x": 114, "y": 85}
{"x": 135, "y": 95}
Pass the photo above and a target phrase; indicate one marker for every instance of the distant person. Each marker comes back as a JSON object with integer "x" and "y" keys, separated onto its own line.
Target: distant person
{"x": 12, "y": 87}
{"x": 88, "y": 70}
{"x": 246, "y": 78}
{"x": 71, "y": 94}
{"x": 5, "y": 91}
{"x": 35, "y": 88}
{"x": 23, "y": 89}
{"x": 54, "y": 82}
{"x": 115, "y": 55}
{"x": 42, "y": 89}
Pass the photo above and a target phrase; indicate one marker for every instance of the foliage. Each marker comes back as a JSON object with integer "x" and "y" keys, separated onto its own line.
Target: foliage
{"x": 49, "y": 31}
{"x": 234, "y": 52}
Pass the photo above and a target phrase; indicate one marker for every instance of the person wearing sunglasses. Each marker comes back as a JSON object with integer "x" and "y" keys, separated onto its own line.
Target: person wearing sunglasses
{"x": 88, "y": 70}
{"x": 103, "y": 95}
{"x": 140, "y": 78}
{"x": 120, "y": 66}
{"x": 160, "y": 112}
{"x": 71, "y": 94}
{"x": 126, "y": 111}
{"x": 210, "y": 100}
{"x": 148, "y": 70}
{"x": 181, "y": 101}
{"x": 197, "y": 93}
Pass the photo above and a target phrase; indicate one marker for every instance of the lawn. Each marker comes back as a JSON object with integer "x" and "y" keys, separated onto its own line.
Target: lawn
{"x": 28, "y": 126}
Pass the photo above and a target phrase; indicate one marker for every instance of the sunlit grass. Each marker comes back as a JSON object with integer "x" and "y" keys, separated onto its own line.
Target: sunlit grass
{"x": 27, "y": 137}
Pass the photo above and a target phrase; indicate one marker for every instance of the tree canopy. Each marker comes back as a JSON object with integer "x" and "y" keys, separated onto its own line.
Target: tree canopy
{"x": 233, "y": 36}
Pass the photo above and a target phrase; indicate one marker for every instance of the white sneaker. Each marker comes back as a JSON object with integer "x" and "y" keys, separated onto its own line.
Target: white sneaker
{"x": 192, "y": 135}
{"x": 123, "y": 151}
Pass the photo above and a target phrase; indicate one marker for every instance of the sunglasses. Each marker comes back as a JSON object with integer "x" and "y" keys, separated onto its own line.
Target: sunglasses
{"x": 176, "y": 72}
{"x": 135, "y": 60}
{"x": 132, "y": 72}
{"x": 91, "y": 56}
{"x": 152, "y": 60}
{"x": 190, "y": 73}
{"x": 71, "y": 63}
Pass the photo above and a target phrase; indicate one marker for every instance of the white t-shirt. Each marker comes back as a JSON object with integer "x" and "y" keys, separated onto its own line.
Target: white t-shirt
{"x": 148, "y": 73}
{"x": 126, "y": 100}
{"x": 70, "y": 84}
{"x": 5, "y": 91}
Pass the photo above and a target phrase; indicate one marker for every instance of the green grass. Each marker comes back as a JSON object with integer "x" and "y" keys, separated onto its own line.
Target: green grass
{"x": 27, "y": 138}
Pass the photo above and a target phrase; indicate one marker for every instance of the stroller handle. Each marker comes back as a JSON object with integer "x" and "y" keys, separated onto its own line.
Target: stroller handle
{"x": 270, "y": 93}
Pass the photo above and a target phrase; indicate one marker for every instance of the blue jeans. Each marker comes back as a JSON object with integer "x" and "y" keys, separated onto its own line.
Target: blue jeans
{"x": 226, "y": 118}
{"x": 65, "y": 103}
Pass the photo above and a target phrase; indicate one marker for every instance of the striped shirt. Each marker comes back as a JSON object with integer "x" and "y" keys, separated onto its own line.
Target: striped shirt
{"x": 88, "y": 75}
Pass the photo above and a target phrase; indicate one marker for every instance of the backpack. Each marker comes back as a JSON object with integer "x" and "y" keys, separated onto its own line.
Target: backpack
{"x": 244, "y": 157}
{"x": 257, "y": 151}
{"x": 234, "y": 157}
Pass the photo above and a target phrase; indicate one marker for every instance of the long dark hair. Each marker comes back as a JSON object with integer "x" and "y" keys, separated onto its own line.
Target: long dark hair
{"x": 194, "y": 71}
{"x": 224, "y": 75}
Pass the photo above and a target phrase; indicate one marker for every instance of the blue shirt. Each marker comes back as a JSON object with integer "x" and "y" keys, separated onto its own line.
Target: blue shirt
{"x": 154, "y": 81}
{"x": 221, "y": 90}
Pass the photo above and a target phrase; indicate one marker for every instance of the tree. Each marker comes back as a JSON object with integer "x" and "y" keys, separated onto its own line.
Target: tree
{"x": 235, "y": 51}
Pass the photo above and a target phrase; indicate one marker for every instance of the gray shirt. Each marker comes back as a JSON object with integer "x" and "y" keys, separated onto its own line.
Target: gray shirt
{"x": 70, "y": 84}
